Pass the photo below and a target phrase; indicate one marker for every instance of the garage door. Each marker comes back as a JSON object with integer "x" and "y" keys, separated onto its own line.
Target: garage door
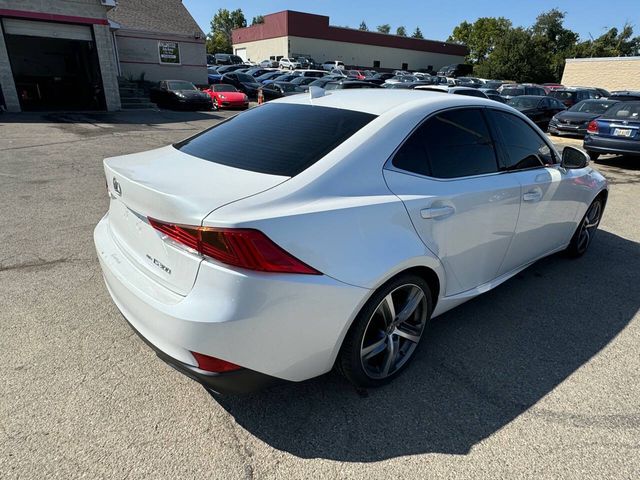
{"x": 54, "y": 65}
{"x": 27, "y": 28}
{"x": 242, "y": 53}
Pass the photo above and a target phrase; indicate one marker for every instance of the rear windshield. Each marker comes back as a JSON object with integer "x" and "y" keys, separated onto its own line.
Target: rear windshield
{"x": 562, "y": 95}
{"x": 223, "y": 87}
{"x": 243, "y": 77}
{"x": 625, "y": 111}
{"x": 591, "y": 106}
{"x": 247, "y": 141}
{"x": 181, "y": 86}
{"x": 524, "y": 102}
{"x": 512, "y": 92}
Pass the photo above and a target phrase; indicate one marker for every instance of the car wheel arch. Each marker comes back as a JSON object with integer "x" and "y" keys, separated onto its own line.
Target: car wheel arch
{"x": 434, "y": 279}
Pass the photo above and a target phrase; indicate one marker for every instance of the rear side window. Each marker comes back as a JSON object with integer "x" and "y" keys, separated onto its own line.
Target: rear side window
{"x": 524, "y": 148}
{"x": 247, "y": 141}
{"x": 451, "y": 144}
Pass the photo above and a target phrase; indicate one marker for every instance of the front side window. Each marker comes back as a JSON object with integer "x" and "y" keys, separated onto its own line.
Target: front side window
{"x": 450, "y": 144}
{"x": 523, "y": 147}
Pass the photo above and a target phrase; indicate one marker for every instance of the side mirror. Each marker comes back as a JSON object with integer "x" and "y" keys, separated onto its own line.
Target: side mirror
{"x": 573, "y": 157}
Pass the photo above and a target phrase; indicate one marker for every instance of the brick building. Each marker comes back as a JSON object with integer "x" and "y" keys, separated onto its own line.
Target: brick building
{"x": 294, "y": 34}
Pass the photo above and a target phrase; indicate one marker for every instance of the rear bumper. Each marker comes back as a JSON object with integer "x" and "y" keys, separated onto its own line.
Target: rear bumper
{"x": 229, "y": 383}
{"x": 599, "y": 144}
{"x": 226, "y": 104}
{"x": 280, "y": 325}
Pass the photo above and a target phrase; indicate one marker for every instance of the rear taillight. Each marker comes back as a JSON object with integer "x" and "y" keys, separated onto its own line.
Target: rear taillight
{"x": 213, "y": 364}
{"x": 592, "y": 127}
{"x": 240, "y": 247}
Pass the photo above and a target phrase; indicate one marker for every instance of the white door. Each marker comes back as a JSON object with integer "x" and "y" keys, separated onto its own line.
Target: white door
{"x": 242, "y": 53}
{"x": 446, "y": 173}
{"x": 549, "y": 202}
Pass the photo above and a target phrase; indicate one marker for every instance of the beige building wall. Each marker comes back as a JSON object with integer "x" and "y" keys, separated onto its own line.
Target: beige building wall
{"x": 350, "y": 53}
{"x": 364, "y": 55}
{"x": 265, "y": 49}
{"x": 614, "y": 73}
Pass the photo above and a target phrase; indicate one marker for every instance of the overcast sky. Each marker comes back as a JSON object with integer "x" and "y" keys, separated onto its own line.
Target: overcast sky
{"x": 436, "y": 19}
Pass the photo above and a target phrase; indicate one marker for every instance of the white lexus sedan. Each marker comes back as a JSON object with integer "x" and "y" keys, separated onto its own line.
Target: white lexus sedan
{"x": 313, "y": 233}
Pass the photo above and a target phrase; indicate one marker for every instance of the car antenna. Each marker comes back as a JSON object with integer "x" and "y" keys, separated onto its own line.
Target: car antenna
{"x": 316, "y": 92}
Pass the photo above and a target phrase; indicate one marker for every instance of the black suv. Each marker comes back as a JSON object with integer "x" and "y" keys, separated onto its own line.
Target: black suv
{"x": 456, "y": 70}
{"x": 223, "y": 59}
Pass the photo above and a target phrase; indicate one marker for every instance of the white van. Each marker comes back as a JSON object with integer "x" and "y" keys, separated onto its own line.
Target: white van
{"x": 337, "y": 64}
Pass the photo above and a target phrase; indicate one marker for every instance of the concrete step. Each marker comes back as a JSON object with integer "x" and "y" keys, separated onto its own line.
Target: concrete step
{"x": 139, "y": 106}
{"x": 131, "y": 90}
{"x": 140, "y": 99}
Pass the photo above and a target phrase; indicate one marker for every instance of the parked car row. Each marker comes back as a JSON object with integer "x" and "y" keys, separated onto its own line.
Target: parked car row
{"x": 609, "y": 121}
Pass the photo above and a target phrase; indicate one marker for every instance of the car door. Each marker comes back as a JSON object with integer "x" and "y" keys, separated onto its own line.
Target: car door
{"x": 446, "y": 173}
{"x": 546, "y": 113}
{"x": 549, "y": 201}
{"x": 556, "y": 106}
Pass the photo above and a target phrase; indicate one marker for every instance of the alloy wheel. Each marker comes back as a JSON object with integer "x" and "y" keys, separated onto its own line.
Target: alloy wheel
{"x": 393, "y": 331}
{"x": 589, "y": 226}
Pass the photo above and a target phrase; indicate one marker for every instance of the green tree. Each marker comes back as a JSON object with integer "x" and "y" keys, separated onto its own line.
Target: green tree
{"x": 480, "y": 37}
{"x": 363, "y": 27}
{"x": 223, "y": 22}
{"x": 257, "y": 20}
{"x": 613, "y": 43}
{"x": 401, "y": 31}
{"x": 518, "y": 56}
{"x": 385, "y": 28}
{"x": 417, "y": 33}
{"x": 556, "y": 41}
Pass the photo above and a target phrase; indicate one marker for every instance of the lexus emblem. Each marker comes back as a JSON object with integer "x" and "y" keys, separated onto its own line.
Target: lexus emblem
{"x": 116, "y": 186}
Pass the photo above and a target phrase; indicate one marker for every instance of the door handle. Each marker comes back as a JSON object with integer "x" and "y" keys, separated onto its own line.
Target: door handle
{"x": 437, "y": 212}
{"x": 532, "y": 196}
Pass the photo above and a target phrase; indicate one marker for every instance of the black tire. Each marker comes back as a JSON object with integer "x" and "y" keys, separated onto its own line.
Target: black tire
{"x": 593, "y": 155}
{"x": 362, "y": 373}
{"x": 579, "y": 242}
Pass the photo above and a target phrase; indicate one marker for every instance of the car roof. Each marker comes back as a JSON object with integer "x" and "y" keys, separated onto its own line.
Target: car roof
{"x": 379, "y": 101}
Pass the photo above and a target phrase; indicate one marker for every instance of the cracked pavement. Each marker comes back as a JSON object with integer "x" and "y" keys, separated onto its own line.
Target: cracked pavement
{"x": 539, "y": 378}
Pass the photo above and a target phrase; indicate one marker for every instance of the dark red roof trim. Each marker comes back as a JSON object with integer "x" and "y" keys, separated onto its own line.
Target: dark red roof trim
{"x": 52, "y": 17}
{"x": 298, "y": 24}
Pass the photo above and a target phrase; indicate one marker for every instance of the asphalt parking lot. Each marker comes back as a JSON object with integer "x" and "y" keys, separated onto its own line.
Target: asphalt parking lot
{"x": 539, "y": 378}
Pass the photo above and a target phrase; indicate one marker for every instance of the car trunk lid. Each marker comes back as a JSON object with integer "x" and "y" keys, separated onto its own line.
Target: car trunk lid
{"x": 170, "y": 186}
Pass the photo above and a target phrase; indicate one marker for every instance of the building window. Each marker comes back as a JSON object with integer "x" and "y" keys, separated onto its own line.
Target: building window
{"x": 376, "y": 64}
{"x": 405, "y": 66}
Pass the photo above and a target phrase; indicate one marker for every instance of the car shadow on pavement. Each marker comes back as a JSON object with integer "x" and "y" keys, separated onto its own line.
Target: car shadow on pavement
{"x": 484, "y": 364}
{"x": 620, "y": 161}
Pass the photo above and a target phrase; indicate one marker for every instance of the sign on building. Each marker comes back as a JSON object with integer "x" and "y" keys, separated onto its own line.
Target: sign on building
{"x": 169, "y": 52}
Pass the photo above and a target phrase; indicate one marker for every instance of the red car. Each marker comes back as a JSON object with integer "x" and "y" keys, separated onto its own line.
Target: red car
{"x": 227, "y": 96}
{"x": 357, "y": 74}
